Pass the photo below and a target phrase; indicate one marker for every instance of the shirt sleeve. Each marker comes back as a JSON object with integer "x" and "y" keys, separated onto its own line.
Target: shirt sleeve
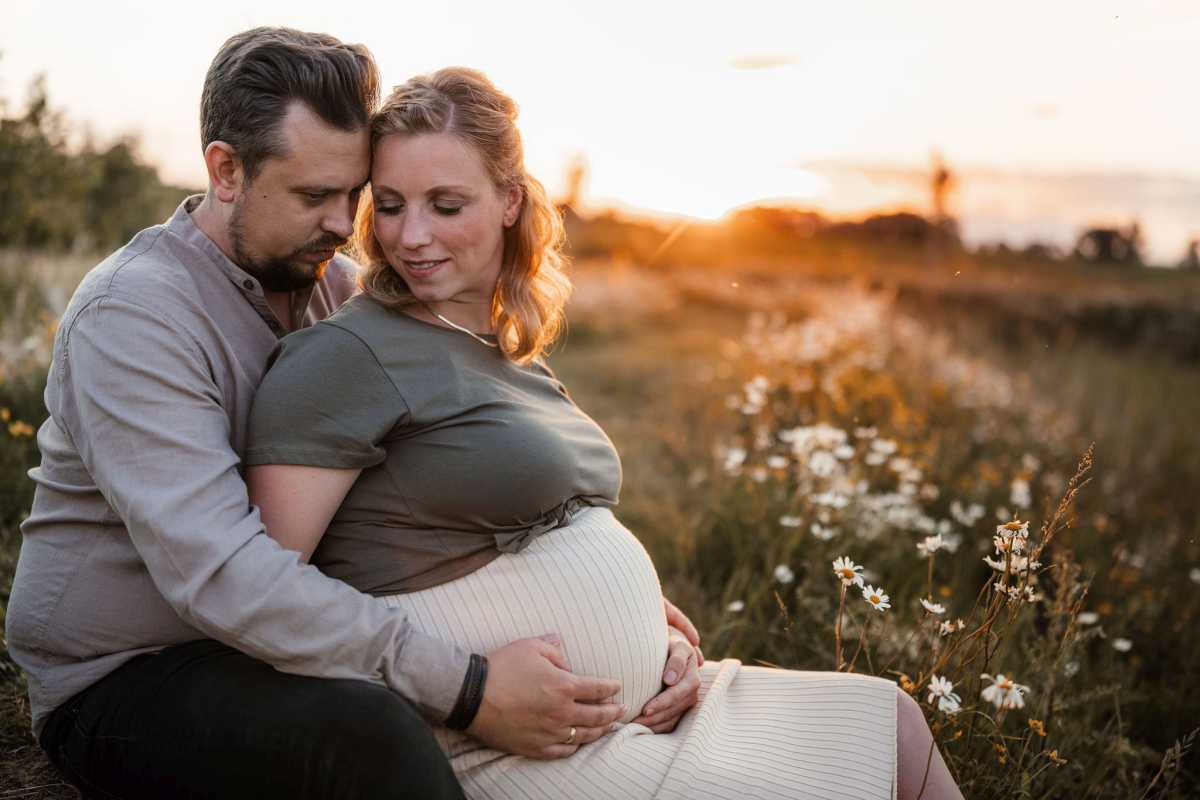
{"x": 324, "y": 402}
{"x": 136, "y": 395}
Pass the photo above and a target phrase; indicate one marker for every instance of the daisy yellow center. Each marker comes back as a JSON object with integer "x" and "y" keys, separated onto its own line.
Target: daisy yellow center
{"x": 875, "y": 599}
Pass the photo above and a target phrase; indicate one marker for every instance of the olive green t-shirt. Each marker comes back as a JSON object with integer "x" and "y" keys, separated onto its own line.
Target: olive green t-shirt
{"x": 464, "y": 453}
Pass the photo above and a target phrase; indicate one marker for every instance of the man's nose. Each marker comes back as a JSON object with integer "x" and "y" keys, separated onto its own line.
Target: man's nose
{"x": 340, "y": 220}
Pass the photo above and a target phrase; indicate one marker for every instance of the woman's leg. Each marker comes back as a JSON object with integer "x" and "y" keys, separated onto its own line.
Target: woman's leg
{"x": 913, "y": 743}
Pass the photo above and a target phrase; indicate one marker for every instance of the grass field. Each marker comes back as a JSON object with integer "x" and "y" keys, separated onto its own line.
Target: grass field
{"x": 772, "y": 421}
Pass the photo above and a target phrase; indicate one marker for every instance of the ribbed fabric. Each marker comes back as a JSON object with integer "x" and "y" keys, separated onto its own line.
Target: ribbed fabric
{"x": 756, "y": 732}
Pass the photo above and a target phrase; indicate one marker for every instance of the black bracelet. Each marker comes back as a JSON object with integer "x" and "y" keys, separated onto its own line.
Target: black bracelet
{"x": 470, "y": 696}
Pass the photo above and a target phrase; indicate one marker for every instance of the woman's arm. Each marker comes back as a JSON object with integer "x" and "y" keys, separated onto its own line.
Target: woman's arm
{"x": 297, "y": 502}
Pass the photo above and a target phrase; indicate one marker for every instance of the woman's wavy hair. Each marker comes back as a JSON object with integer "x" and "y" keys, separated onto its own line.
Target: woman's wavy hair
{"x": 527, "y": 307}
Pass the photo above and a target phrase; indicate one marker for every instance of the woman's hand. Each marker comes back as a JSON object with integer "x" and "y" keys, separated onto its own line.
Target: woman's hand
{"x": 678, "y": 620}
{"x": 532, "y": 702}
{"x": 682, "y": 678}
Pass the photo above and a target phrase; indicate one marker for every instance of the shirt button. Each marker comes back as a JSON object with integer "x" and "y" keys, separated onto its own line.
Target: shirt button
{"x": 249, "y": 284}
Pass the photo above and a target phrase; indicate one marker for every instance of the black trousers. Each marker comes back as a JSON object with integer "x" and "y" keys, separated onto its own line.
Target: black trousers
{"x": 202, "y": 720}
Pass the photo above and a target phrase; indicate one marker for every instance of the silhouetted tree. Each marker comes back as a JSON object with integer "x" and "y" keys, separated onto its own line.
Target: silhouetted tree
{"x": 1110, "y": 245}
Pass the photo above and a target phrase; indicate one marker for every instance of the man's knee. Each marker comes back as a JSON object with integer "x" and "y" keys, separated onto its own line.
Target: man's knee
{"x": 371, "y": 733}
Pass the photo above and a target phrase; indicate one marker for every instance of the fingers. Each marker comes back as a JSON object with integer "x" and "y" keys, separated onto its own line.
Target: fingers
{"x": 597, "y": 716}
{"x": 679, "y": 654}
{"x": 557, "y": 751}
{"x": 699, "y": 656}
{"x": 678, "y": 620}
{"x": 594, "y": 690}
{"x": 666, "y": 727}
{"x": 672, "y": 702}
{"x": 552, "y": 649}
{"x": 588, "y": 735}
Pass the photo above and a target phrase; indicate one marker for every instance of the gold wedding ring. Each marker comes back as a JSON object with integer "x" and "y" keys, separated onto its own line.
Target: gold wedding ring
{"x": 571, "y": 738}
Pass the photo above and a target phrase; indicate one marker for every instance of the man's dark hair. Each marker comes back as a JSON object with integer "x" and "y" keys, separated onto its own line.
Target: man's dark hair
{"x": 258, "y": 72}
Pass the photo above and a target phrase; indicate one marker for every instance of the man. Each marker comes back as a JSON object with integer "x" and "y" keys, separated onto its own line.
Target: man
{"x": 172, "y": 648}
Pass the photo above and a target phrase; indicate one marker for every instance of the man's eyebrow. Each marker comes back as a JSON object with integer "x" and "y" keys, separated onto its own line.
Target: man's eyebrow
{"x": 318, "y": 189}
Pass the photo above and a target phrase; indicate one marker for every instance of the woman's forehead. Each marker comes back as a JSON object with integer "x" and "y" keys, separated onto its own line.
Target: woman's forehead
{"x": 407, "y": 162}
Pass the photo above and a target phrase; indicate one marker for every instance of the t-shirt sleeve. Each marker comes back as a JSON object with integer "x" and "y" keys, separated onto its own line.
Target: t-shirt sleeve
{"x": 325, "y": 402}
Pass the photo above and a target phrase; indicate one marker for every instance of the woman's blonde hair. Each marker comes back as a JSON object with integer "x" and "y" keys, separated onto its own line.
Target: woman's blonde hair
{"x": 527, "y": 307}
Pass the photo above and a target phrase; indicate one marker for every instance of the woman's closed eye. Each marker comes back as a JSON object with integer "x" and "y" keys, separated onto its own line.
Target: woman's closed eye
{"x": 447, "y": 209}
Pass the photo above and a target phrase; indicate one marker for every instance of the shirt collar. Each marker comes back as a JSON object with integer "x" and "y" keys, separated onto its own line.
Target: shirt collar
{"x": 182, "y": 225}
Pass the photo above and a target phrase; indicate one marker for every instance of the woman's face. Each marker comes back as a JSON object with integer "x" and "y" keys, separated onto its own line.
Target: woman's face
{"x": 439, "y": 218}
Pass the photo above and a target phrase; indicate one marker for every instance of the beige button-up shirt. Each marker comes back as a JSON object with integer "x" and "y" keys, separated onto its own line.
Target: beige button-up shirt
{"x": 141, "y": 533}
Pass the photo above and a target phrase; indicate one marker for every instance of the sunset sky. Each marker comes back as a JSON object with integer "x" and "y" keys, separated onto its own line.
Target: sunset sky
{"x": 689, "y": 108}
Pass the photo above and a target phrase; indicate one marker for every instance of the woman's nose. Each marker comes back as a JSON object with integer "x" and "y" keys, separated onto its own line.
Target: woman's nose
{"x": 414, "y": 231}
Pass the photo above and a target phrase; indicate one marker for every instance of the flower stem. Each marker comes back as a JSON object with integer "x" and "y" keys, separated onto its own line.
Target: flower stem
{"x": 837, "y": 632}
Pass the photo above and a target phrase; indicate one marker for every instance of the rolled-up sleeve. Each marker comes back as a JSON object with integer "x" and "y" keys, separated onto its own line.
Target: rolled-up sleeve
{"x": 137, "y": 397}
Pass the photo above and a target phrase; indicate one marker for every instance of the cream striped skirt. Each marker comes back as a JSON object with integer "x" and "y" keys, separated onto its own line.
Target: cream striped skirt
{"x": 756, "y": 732}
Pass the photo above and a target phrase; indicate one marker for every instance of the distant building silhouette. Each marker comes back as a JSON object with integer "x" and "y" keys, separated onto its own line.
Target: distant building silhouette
{"x": 1110, "y": 246}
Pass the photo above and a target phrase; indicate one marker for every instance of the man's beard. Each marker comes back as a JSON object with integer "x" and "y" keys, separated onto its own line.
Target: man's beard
{"x": 279, "y": 274}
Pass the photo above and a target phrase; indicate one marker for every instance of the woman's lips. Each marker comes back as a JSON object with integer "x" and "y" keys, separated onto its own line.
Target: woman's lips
{"x": 424, "y": 267}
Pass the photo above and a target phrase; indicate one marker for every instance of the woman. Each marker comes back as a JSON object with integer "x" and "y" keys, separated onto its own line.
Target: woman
{"x": 448, "y": 471}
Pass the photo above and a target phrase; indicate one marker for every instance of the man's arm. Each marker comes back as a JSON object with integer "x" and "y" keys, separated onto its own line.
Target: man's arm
{"x": 137, "y": 398}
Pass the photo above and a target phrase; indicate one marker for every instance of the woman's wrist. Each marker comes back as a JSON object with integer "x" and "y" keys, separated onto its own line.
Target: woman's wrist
{"x": 470, "y": 697}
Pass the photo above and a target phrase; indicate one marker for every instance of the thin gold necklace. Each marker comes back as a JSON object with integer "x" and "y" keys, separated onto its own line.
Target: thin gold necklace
{"x": 458, "y": 327}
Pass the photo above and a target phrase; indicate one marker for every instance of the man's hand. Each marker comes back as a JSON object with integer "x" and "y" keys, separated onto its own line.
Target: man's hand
{"x": 531, "y": 701}
{"x": 682, "y": 678}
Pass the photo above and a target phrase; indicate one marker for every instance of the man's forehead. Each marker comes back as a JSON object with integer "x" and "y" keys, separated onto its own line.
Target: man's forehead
{"x": 316, "y": 151}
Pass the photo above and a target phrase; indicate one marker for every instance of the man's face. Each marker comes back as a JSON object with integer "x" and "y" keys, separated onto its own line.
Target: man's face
{"x": 300, "y": 207}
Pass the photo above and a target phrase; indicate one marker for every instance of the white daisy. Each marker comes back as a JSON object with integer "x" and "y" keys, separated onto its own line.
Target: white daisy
{"x": 784, "y": 574}
{"x": 822, "y": 532}
{"x": 777, "y": 462}
{"x": 1088, "y": 618}
{"x": 1019, "y": 493}
{"x": 865, "y": 433}
{"x": 822, "y": 463}
{"x": 933, "y": 608}
{"x": 942, "y": 690}
{"x": 847, "y": 571}
{"x": 1122, "y": 645}
{"x": 1004, "y": 692}
{"x": 1194, "y": 575}
{"x": 789, "y": 521}
{"x": 931, "y": 545}
{"x": 844, "y": 451}
{"x": 876, "y": 597}
{"x": 884, "y": 446}
{"x": 948, "y": 627}
{"x": 736, "y": 606}
{"x": 875, "y": 459}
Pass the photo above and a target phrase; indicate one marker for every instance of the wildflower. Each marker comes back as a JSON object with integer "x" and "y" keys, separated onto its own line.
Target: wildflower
{"x": 1019, "y": 493}
{"x": 875, "y": 459}
{"x": 931, "y": 545}
{"x": 734, "y": 458}
{"x": 933, "y": 608}
{"x": 929, "y": 491}
{"x": 5, "y": 415}
{"x": 1029, "y": 595}
{"x": 784, "y": 574}
{"x": 948, "y": 627}
{"x": 821, "y": 532}
{"x": 1002, "y": 752}
{"x": 759, "y": 474}
{"x": 899, "y": 464}
{"x": 1037, "y": 727}
{"x": 884, "y": 446}
{"x": 789, "y": 521}
{"x": 19, "y": 430}
{"x": 735, "y": 606}
{"x": 1004, "y": 692}
{"x": 1053, "y": 756}
{"x": 1194, "y": 575}
{"x": 1002, "y": 513}
{"x": 1122, "y": 645}
{"x": 777, "y": 462}
{"x": 876, "y": 597}
{"x": 822, "y": 463}
{"x": 941, "y": 689}
{"x": 1011, "y": 537}
{"x": 847, "y": 571}
{"x": 1088, "y": 618}
{"x": 865, "y": 433}
{"x": 844, "y": 452}
{"x": 1071, "y": 669}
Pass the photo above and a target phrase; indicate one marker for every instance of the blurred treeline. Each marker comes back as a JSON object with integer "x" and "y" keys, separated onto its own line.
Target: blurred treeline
{"x": 62, "y": 192}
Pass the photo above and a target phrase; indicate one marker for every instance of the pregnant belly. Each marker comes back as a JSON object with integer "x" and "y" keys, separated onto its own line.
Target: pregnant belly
{"x": 591, "y": 582}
